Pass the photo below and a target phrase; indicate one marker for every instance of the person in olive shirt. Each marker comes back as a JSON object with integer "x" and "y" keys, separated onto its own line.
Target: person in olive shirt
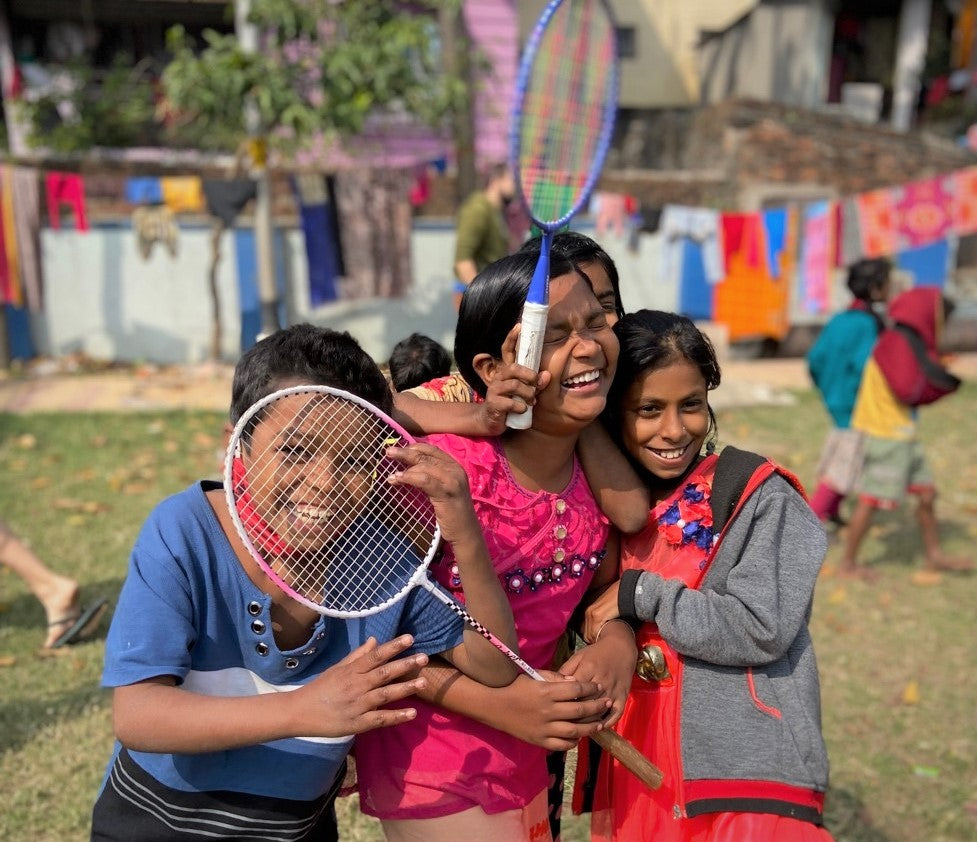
{"x": 481, "y": 230}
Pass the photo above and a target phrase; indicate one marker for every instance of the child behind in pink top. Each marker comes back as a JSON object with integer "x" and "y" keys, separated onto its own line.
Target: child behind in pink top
{"x": 467, "y": 767}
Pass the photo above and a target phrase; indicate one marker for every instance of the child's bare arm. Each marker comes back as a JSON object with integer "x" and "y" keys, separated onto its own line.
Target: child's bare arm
{"x": 620, "y": 493}
{"x": 348, "y": 698}
{"x": 512, "y": 388}
{"x": 552, "y": 714}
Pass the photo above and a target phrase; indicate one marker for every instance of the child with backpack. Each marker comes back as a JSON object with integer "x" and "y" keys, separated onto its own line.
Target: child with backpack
{"x": 719, "y": 585}
{"x": 903, "y": 374}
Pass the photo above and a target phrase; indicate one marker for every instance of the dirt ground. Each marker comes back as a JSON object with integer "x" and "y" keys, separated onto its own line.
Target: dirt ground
{"x": 71, "y": 385}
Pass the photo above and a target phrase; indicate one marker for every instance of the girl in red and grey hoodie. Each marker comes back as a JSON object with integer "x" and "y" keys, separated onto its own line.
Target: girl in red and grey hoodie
{"x": 719, "y": 586}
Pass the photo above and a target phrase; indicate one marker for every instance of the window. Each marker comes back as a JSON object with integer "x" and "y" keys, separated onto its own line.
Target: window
{"x": 627, "y": 46}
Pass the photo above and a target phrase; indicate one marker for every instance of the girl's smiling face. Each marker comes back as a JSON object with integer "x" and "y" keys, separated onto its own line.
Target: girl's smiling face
{"x": 579, "y": 350}
{"x": 665, "y": 418}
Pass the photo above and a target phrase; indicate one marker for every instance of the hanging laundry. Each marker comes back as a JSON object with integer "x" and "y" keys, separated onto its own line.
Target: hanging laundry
{"x": 743, "y": 236}
{"x": 930, "y": 265}
{"x": 679, "y": 222}
{"x": 877, "y": 222}
{"x": 847, "y": 233}
{"x": 317, "y": 210}
{"x": 375, "y": 224}
{"x": 27, "y": 219}
{"x": 183, "y": 194}
{"x": 816, "y": 265}
{"x": 144, "y": 191}
{"x": 155, "y": 224}
{"x": 964, "y": 201}
{"x": 749, "y": 302}
{"x": 14, "y": 288}
{"x": 226, "y": 197}
{"x": 695, "y": 288}
{"x": 610, "y": 212}
{"x": 775, "y": 223}
{"x": 65, "y": 188}
{"x": 923, "y": 212}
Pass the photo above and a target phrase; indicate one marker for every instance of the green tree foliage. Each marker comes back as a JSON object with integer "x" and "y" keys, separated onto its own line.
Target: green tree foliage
{"x": 90, "y": 107}
{"x": 322, "y": 68}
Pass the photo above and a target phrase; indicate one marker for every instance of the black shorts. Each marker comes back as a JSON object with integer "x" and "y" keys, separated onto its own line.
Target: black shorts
{"x": 135, "y": 807}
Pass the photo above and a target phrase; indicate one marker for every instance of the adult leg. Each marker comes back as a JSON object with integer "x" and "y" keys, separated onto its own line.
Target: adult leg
{"x": 58, "y": 594}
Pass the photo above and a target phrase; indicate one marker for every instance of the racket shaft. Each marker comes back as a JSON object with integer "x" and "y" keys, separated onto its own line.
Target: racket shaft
{"x": 528, "y": 353}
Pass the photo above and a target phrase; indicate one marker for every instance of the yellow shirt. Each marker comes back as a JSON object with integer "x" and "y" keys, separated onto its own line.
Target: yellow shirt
{"x": 878, "y": 412}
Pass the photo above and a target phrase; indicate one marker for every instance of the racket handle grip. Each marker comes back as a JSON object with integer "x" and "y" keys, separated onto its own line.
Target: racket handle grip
{"x": 528, "y": 353}
{"x": 632, "y": 759}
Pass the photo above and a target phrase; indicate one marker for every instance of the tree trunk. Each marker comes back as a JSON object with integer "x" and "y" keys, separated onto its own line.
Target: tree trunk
{"x": 216, "y": 333}
{"x": 456, "y": 54}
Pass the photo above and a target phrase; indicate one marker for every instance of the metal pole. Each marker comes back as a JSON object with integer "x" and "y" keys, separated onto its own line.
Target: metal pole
{"x": 247, "y": 34}
{"x": 914, "y": 26}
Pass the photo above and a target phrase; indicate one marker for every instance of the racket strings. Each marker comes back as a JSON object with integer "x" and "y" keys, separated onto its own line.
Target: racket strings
{"x": 565, "y": 109}
{"x": 312, "y": 497}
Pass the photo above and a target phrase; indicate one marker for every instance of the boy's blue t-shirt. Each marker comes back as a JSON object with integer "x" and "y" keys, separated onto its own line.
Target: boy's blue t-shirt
{"x": 189, "y": 610}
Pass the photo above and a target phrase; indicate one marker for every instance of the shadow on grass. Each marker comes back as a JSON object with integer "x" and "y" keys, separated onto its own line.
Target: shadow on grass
{"x": 848, "y": 819}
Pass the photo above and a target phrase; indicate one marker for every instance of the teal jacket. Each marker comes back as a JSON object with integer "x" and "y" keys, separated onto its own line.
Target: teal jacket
{"x": 838, "y": 356}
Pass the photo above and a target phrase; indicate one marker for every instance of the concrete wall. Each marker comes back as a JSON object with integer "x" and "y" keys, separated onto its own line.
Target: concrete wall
{"x": 103, "y": 299}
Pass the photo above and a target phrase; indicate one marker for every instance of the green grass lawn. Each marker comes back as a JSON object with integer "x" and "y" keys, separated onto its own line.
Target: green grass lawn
{"x": 897, "y": 657}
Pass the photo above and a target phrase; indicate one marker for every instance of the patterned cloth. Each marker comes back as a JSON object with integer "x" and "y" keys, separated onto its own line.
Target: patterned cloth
{"x": 923, "y": 212}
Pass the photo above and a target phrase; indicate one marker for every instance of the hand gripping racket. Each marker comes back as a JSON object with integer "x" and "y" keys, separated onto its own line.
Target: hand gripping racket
{"x": 561, "y": 125}
{"x": 305, "y": 478}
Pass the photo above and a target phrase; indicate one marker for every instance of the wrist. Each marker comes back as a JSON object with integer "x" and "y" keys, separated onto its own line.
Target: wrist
{"x": 626, "y": 597}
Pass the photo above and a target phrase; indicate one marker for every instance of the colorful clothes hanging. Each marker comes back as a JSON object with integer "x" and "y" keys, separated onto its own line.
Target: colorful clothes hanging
{"x": 964, "y": 201}
{"x": 27, "y": 220}
{"x": 929, "y": 265}
{"x": 816, "y": 265}
{"x": 923, "y": 212}
{"x": 13, "y": 292}
{"x": 877, "y": 222}
{"x": 65, "y": 188}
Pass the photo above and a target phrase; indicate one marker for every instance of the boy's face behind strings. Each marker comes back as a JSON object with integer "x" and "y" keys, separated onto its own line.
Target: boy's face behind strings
{"x": 311, "y": 466}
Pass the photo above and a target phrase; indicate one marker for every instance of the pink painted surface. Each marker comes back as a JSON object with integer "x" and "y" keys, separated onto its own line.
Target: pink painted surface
{"x": 494, "y": 29}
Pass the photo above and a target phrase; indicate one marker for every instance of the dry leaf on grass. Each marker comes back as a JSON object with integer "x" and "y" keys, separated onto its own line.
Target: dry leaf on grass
{"x": 7, "y": 660}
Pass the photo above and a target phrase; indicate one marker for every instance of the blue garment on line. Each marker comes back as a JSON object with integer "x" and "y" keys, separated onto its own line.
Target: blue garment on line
{"x": 695, "y": 291}
{"x": 144, "y": 191}
{"x": 929, "y": 265}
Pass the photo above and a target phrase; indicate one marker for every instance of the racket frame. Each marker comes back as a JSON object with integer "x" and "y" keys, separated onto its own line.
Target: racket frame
{"x": 420, "y": 574}
{"x": 530, "y": 346}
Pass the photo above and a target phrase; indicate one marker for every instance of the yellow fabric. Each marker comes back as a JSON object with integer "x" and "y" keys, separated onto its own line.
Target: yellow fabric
{"x": 10, "y": 237}
{"x": 183, "y": 194}
{"x": 878, "y": 412}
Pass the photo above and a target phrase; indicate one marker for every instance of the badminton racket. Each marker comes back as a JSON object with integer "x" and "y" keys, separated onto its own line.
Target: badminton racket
{"x": 305, "y": 478}
{"x": 560, "y": 130}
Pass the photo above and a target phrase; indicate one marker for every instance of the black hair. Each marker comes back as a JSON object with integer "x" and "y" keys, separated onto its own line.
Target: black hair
{"x": 579, "y": 248}
{"x": 654, "y": 339}
{"x": 417, "y": 359}
{"x": 491, "y": 306}
{"x": 311, "y": 355}
{"x": 868, "y": 276}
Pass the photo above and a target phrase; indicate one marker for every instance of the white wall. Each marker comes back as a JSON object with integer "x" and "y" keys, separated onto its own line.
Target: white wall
{"x": 102, "y": 298}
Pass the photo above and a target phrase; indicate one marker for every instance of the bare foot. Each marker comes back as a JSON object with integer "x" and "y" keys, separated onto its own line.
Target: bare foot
{"x": 62, "y": 607}
{"x": 950, "y": 564}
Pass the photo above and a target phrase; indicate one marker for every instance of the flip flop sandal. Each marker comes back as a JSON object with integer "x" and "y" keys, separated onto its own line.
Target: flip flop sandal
{"x": 82, "y": 626}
